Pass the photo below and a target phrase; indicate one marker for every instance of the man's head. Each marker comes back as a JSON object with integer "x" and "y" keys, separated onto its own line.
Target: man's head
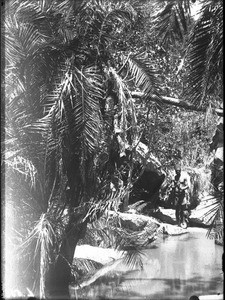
{"x": 177, "y": 169}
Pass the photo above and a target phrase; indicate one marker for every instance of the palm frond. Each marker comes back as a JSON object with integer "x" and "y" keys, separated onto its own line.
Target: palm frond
{"x": 74, "y": 105}
{"x": 216, "y": 232}
{"x": 144, "y": 75}
{"x": 112, "y": 11}
{"x": 42, "y": 236}
{"x": 21, "y": 165}
{"x": 68, "y": 5}
{"x": 21, "y": 40}
{"x": 205, "y": 55}
{"x": 104, "y": 23}
{"x": 215, "y": 217}
{"x": 106, "y": 199}
{"x": 121, "y": 123}
{"x": 84, "y": 267}
{"x": 138, "y": 206}
{"x": 133, "y": 258}
{"x": 172, "y": 22}
{"x": 86, "y": 106}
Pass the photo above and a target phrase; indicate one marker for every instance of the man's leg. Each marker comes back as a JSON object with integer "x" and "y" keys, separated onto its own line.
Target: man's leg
{"x": 181, "y": 214}
{"x": 182, "y": 195}
{"x": 178, "y": 214}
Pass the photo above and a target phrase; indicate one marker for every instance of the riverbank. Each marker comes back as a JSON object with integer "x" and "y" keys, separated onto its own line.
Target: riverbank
{"x": 163, "y": 227}
{"x": 174, "y": 267}
{"x": 161, "y": 221}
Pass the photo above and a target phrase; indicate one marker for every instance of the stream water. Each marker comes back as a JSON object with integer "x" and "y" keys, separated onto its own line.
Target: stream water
{"x": 174, "y": 267}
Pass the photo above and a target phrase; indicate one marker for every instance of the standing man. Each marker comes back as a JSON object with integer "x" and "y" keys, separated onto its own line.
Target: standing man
{"x": 181, "y": 186}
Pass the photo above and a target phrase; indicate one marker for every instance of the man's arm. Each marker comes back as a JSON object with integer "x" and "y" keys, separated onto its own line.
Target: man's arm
{"x": 184, "y": 185}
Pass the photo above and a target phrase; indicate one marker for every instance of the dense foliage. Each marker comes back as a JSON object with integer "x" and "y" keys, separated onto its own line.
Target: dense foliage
{"x": 72, "y": 125}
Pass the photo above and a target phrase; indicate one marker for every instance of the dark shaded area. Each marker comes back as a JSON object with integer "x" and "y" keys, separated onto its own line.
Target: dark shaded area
{"x": 217, "y": 174}
{"x": 164, "y": 218}
{"x": 217, "y": 140}
{"x": 194, "y": 297}
{"x": 193, "y": 223}
{"x": 146, "y": 188}
{"x": 217, "y": 165}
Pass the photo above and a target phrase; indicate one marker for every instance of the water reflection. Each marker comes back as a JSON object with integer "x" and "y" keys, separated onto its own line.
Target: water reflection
{"x": 175, "y": 267}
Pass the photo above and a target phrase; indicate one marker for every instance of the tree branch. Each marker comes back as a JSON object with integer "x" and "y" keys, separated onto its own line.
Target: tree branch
{"x": 179, "y": 103}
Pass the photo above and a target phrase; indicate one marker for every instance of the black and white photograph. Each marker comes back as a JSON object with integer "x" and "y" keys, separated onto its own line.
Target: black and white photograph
{"x": 112, "y": 150}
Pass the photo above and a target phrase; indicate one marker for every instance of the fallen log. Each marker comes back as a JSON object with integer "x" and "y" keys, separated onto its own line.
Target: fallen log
{"x": 178, "y": 103}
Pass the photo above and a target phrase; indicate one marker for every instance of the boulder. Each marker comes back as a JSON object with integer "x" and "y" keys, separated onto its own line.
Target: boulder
{"x": 173, "y": 230}
{"x": 141, "y": 230}
{"x": 165, "y": 215}
{"x": 98, "y": 254}
{"x": 135, "y": 222}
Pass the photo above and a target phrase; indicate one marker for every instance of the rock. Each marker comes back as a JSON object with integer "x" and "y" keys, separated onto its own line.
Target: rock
{"x": 173, "y": 230}
{"x": 135, "y": 222}
{"x": 165, "y": 215}
{"x": 141, "y": 230}
{"x": 98, "y": 254}
{"x": 132, "y": 221}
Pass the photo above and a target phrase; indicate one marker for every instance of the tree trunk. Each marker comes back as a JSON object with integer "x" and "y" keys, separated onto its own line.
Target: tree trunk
{"x": 179, "y": 103}
{"x": 58, "y": 276}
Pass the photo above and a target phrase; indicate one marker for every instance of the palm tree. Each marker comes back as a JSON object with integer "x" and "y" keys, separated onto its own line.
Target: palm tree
{"x": 70, "y": 121}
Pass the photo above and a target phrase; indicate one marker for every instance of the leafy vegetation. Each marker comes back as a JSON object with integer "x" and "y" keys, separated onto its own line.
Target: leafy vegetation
{"x": 72, "y": 125}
